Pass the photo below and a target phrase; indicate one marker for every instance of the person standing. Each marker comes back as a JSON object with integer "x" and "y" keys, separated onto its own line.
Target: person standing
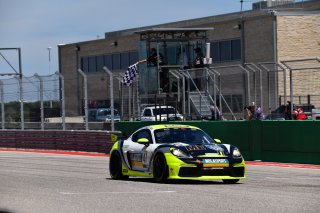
{"x": 198, "y": 63}
{"x": 198, "y": 60}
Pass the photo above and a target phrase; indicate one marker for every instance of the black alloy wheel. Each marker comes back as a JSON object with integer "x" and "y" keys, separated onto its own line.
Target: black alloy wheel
{"x": 115, "y": 167}
{"x": 160, "y": 169}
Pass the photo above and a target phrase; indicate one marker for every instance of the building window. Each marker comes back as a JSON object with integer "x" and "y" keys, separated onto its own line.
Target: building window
{"x": 116, "y": 61}
{"x": 84, "y": 64}
{"x": 108, "y": 61}
{"x": 215, "y": 53}
{"x": 226, "y": 50}
{"x": 133, "y": 57}
{"x": 124, "y": 60}
{"x": 236, "y": 49}
{"x": 92, "y": 64}
{"x": 100, "y": 63}
{"x": 112, "y": 61}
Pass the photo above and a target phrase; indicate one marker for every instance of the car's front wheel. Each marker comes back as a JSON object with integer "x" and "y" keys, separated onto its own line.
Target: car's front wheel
{"x": 160, "y": 169}
{"x": 115, "y": 166}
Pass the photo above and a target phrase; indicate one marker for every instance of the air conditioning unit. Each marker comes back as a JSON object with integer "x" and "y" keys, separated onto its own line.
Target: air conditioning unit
{"x": 315, "y": 114}
{"x": 270, "y": 3}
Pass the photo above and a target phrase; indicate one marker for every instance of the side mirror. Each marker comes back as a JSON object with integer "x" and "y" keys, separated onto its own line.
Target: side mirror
{"x": 217, "y": 140}
{"x": 144, "y": 141}
{"x": 114, "y": 138}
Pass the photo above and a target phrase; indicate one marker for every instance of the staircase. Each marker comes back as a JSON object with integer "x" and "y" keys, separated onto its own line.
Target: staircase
{"x": 201, "y": 103}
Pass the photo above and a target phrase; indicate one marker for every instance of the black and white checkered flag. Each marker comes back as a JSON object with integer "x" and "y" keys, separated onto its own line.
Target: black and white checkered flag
{"x": 130, "y": 74}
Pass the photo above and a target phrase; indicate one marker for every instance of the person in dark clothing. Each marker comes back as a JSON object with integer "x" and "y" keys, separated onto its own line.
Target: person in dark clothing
{"x": 288, "y": 112}
{"x": 154, "y": 58}
{"x": 215, "y": 113}
{"x": 198, "y": 61}
{"x": 249, "y": 112}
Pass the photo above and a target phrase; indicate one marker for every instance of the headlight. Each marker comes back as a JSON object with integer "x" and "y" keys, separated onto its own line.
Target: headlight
{"x": 236, "y": 152}
{"x": 179, "y": 153}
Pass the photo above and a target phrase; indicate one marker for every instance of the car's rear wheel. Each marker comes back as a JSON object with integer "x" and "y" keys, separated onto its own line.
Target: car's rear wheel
{"x": 115, "y": 167}
{"x": 160, "y": 169}
{"x": 230, "y": 181}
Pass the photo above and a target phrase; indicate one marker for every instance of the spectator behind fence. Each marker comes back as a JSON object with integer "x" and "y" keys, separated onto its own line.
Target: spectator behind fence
{"x": 248, "y": 112}
{"x": 184, "y": 60}
{"x": 215, "y": 113}
{"x": 253, "y": 112}
{"x": 299, "y": 114}
{"x": 198, "y": 61}
{"x": 258, "y": 114}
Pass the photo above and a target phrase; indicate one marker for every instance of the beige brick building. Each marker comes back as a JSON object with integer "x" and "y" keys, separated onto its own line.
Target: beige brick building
{"x": 257, "y": 36}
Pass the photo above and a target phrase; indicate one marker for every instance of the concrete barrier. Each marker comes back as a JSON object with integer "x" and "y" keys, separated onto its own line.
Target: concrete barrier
{"x": 88, "y": 141}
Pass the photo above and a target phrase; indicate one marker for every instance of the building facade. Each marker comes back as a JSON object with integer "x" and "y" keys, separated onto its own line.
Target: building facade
{"x": 255, "y": 37}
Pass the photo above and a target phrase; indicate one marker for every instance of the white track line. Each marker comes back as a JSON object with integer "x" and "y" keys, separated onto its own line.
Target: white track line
{"x": 92, "y": 193}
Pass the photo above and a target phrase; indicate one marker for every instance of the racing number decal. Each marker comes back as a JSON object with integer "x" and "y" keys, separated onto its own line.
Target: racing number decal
{"x": 144, "y": 157}
{"x": 136, "y": 160}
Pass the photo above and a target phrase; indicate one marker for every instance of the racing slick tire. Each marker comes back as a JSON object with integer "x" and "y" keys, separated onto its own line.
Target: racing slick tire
{"x": 115, "y": 167}
{"x": 230, "y": 181}
{"x": 160, "y": 169}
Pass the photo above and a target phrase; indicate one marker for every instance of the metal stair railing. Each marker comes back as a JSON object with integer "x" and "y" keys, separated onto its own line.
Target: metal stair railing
{"x": 201, "y": 105}
{"x": 198, "y": 92}
{"x": 211, "y": 71}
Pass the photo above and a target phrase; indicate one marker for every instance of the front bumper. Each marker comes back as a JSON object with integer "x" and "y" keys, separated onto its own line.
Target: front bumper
{"x": 178, "y": 169}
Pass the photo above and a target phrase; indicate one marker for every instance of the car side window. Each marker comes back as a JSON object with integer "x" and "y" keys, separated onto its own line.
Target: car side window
{"x": 144, "y": 133}
{"x": 147, "y": 112}
{"x": 92, "y": 113}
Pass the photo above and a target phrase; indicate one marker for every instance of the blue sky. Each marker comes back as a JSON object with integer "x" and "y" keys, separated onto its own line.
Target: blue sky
{"x": 35, "y": 25}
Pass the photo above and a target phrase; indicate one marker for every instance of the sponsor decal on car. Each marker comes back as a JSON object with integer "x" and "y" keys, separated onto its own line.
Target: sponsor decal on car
{"x": 215, "y": 162}
{"x": 195, "y": 147}
{"x": 219, "y": 154}
{"x": 136, "y": 163}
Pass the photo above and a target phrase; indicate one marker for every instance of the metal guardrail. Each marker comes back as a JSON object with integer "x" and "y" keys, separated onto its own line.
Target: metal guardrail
{"x": 232, "y": 87}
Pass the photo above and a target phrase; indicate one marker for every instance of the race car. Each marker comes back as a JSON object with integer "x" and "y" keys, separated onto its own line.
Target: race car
{"x": 174, "y": 151}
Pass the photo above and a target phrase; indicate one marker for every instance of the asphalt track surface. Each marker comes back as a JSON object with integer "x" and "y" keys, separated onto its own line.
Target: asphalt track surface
{"x": 47, "y": 182}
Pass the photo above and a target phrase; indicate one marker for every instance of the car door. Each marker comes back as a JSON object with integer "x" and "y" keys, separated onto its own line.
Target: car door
{"x": 136, "y": 154}
{"x": 92, "y": 115}
{"x": 147, "y": 115}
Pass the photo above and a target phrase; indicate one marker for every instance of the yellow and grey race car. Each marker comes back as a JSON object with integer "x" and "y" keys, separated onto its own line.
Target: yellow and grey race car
{"x": 172, "y": 151}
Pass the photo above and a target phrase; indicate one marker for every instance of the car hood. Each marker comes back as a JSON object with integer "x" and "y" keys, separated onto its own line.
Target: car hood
{"x": 170, "y": 115}
{"x": 202, "y": 149}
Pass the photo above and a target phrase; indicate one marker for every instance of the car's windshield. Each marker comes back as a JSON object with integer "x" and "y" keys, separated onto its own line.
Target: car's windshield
{"x": 184, "y": 135}
{"x": 107, "y": 112}
{"x": 163, "y": 111}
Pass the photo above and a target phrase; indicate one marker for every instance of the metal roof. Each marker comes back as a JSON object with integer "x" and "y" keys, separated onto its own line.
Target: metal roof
{"x": 180, "y": 29}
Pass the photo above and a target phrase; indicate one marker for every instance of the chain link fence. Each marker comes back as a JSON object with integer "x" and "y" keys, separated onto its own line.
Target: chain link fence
{"x": 38, "y": 102}
{"x": 29, "y": 99}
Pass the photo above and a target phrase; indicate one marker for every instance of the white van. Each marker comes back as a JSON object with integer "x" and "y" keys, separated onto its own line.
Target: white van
{"x": 160, "y": 113}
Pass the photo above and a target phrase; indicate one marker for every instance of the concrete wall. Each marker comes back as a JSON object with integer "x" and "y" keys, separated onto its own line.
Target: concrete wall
{"x": 298, "y": 38}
